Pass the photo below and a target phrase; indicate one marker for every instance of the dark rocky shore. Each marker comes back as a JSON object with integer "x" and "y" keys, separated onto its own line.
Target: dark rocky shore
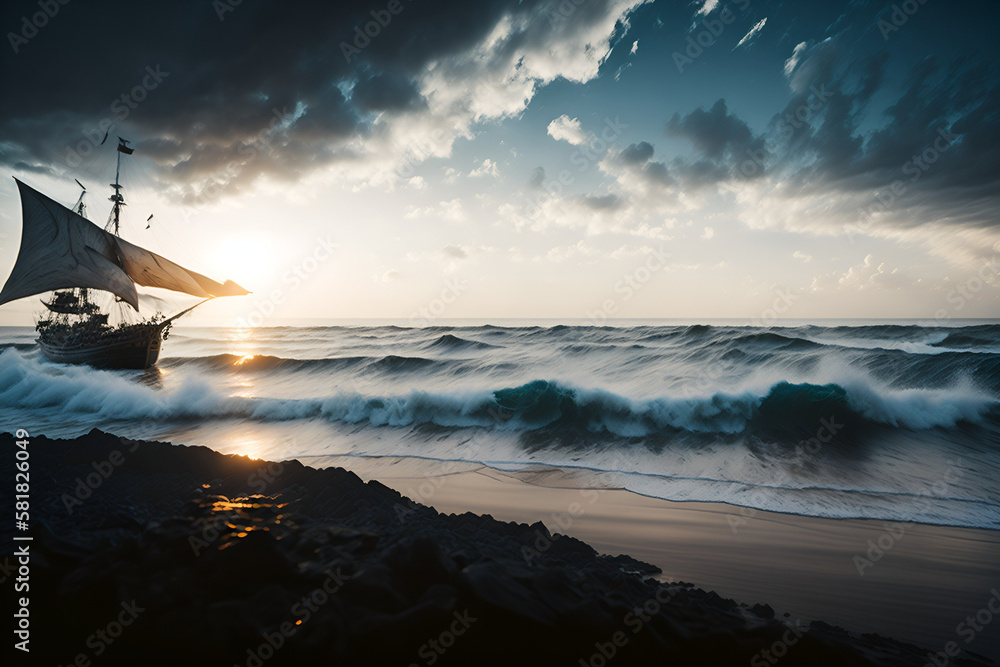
{"x": 150, "y": 553}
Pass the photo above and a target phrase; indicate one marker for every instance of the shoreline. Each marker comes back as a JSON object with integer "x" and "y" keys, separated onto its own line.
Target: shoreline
{"x": 407, "y": 569}
{"x": 812, "y": 567}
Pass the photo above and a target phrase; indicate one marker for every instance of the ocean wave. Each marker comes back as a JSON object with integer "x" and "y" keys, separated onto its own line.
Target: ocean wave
{"x": 451, "y": 342}
{"x": 264, "y": 362}
{"x": 782, "y": 407}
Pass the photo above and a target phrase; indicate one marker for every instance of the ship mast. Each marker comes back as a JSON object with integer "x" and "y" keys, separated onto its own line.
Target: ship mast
{"x": 117, "y": 199}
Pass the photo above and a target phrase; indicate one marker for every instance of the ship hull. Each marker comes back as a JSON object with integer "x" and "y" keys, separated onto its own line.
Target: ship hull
{"x": 138, "y": 349}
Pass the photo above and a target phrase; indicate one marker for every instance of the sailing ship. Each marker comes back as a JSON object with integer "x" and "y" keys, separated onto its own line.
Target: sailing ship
{"x": 91, "y": 271}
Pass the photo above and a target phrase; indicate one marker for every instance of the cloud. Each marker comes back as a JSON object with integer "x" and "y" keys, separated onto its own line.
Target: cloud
{"x": 563, "y": 253}
{"x": 452, "y": 211}
{"x": 455, "y": 252}
{"x": 793, "y": 60}
{"x": 708, "y": 233}
{"x": 537, "y": 178}
{"x": 487, "y": 168}
{"x": 270, "y": 93}
{"x": 390, "y": 276}
{"x": 601, "y": 203}
{"x": 802, "y": 256}
{"x": 568, "y": 129}
{"x": 714, "y": 132}
{"x": 752, "y": 34}
{"x": 865, "y": 276}
{"x": 722, "y": 143}
{"x": 827, "y": 164}
{"x": 706, "y": 8}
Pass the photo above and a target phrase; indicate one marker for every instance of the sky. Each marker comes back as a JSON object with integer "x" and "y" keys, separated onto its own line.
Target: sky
{"x": 572, "y": 159}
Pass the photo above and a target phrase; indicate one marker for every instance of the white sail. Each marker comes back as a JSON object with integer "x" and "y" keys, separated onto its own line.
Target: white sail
{"x": 151, "y": 270}
{"x": 61, "y": 249}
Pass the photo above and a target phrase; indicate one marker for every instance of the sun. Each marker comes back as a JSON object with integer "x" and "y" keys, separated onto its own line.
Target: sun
{"x": 245, "y": 259}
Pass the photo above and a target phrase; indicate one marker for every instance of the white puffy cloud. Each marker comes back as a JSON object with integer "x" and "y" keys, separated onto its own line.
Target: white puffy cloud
{"x": 568, "y": 129}
{"x": 487, "y": 168}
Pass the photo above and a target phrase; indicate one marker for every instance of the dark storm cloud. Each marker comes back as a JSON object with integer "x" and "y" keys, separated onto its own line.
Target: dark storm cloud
{"x": 935, "y": 145}
{"x": 714, "y": 132}
{"x": 933, "y": 141}
{"x": 637, "y": 161}
{"x": 269, "y": 87}
{"x": 721, "y": 142}
{"x": 638, "y": 153}
{"x": 387, "y": 92}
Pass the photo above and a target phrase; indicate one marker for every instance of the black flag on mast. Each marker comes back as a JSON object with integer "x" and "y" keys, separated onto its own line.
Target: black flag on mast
{"x": 122, "y": 148}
